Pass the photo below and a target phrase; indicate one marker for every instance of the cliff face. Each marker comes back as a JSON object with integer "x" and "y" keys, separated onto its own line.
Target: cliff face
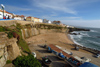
{"x": 29, "y": 32}
{"x": 9, "y": 49}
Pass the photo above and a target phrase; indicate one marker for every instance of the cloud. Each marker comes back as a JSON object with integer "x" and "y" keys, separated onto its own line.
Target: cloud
{"x": 84, "y": 23}
{"x": 67, "y": 6}
{"x": 57, "y": 5}
{"x": 60, "y": 18}
{"x": 14, "y": 8}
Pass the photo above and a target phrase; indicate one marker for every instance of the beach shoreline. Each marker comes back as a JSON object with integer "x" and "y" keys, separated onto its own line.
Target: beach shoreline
{"x": 94, "y": 51}
{"x": 62, "y": 40}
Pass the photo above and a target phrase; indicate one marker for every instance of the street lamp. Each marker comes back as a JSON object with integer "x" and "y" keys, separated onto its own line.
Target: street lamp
{"x": 3, "y": 9}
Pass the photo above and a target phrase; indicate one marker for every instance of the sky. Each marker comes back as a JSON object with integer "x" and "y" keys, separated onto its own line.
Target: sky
{"x": 84, "y": 13}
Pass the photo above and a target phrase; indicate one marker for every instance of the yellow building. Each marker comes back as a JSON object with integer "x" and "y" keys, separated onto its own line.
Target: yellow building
{"x": 36, "y": 20}
{"x": 30, "y": 19}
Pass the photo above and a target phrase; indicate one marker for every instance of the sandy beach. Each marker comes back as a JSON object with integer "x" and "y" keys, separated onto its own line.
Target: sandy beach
{"x": 62, "y": 40}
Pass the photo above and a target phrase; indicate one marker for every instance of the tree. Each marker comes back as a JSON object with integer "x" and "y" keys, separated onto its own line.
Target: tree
{"x": 26, "y": 61}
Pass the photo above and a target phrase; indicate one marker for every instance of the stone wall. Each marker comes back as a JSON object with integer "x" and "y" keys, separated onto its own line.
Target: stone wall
{"x": 9, "y": 49}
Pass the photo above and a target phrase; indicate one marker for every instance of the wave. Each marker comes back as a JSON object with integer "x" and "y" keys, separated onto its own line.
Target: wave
{"x": 94, "y": 42}
{"x": 77, "y": 43}
{"x": 82, "y": 34}
{"x": 72, "y": 37}
{"x": 93, "y": 31}
{"x": 85, "y": 34}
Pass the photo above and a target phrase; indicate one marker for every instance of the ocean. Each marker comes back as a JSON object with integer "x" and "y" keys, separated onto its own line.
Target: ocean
{"x": 89, "y": 39}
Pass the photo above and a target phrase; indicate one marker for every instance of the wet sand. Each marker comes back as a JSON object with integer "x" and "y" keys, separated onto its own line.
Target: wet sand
{"x": 62, "y": 40}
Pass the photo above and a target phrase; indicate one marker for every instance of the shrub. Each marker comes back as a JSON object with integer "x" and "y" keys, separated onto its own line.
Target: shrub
{"x": 26, "y": 61}
{"x": 8, "y": 61}
{"x": 2, "y": 29}
{"x": 9, "y": 34}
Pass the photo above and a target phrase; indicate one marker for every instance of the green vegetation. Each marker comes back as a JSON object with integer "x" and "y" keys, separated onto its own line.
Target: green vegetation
{"x": 17, "y": 30}
{"x": 22, "y": 43}
{"x": 9, "y": 34}
{"x": 26, "y": 61}
{"x": 8, "y": 61}
{"x": 0, "y": 57}
{"x": 47, "y": 26}
{"x": 3, "y": 29}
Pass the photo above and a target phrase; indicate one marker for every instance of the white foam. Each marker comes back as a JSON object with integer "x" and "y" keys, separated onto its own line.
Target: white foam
{"x": 93, "y": 31}
{"x": 75, "y": 41}
{"x": 94, "y": 42}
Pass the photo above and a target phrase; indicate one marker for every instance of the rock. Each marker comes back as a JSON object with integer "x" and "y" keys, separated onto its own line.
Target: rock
{"x": 75, "y": 33}
{"x": 9, "y": 49}
{"x": 77, "y": 29}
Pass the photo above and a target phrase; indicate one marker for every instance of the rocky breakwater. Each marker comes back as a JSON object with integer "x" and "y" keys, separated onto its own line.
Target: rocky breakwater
{"x": 9, "y": 49}
{"x": 77, "y": 29}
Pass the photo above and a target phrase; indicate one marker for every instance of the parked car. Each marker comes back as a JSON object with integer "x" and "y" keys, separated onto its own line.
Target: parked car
{"x": 34, "y": 54}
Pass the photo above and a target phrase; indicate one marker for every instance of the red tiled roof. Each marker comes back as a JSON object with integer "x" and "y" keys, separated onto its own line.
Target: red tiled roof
{"x": 22, "y": 16}
{"x": 59, "y": 50}
{"x": 36, "y": 17}
{"x": 29, "y": 17}
{"x": 57, "y": 21}
{"x": 53, "y": 47}
{"x": 1, "y": 11}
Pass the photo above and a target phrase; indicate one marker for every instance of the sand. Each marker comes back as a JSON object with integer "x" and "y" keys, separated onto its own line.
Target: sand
{"x": 62, "y": 40}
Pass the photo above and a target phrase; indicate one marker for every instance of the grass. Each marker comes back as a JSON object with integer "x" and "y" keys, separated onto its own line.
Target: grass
{"x": 0, "y": 57}
{"x": 8, "y": 62}
{"x": 17, "y": 30}
{"x": 23, "y": 45}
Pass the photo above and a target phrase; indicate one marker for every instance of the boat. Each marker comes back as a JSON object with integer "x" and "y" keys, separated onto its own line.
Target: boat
{"x": 46, "y": 61}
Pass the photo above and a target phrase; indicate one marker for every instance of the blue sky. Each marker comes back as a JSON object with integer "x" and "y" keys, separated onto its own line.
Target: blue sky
{"x": 71, "y": 12}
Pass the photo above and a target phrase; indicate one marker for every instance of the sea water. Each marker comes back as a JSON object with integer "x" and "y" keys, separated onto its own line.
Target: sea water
{"x": 89, "y": 39}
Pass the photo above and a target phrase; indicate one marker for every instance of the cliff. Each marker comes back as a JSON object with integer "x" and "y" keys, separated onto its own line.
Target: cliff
{"x": 13, "y": 33}
{"x": 9, "y": 49}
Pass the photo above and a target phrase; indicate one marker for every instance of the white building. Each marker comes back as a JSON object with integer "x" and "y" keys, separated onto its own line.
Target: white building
{"x": 6, "y": 14}
{"x": 1, "y": 14}
{"x": 49, "y": 22}
{"x": 17, "y": 17}
{"x": 40, "y": 20}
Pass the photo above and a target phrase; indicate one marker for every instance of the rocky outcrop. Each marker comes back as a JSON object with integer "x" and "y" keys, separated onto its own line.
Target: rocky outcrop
{"x": 9, "y": 49}
{"x": 77, "y": 29}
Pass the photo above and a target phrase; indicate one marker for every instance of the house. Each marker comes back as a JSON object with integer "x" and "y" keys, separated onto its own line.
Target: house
{"x": 17, "y": 17}
{"x": 6, "y": 14}
{"x": 70, "y": 26}
{"x": 56, "y": 22}
{"x": 22, "y": 17}
{"x": 30, "y": 18}
{"x": 40, "y": 20}
{"x": 1, "y": 14}
{"x": 49, "y": 21}
{"x": 45, "y": 21}
{"x": 36, "y": 19}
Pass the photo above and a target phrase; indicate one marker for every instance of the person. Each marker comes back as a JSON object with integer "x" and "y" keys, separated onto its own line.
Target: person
{"x": 25, "y": 18}
{"x": 4, "y": 17}
{"x": 8, "y": 17}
